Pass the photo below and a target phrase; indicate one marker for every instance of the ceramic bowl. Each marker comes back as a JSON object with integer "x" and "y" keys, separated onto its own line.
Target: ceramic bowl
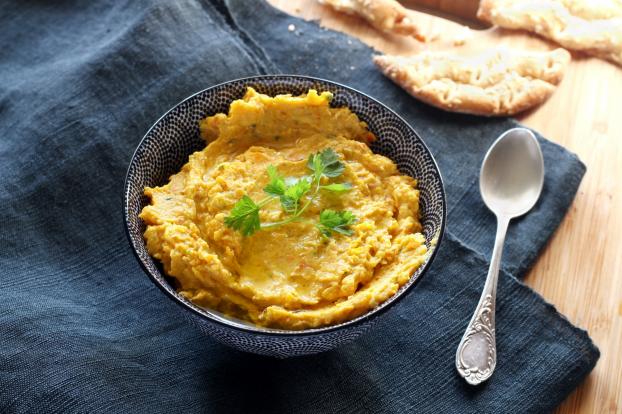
{"x": 166, "y": 147}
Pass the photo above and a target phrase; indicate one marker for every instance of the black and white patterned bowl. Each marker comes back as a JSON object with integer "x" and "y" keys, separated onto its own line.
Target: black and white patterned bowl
{"x": 166, "y": 147}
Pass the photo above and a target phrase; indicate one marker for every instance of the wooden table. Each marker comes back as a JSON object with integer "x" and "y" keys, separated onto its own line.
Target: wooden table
{"x": 580, "y": 271}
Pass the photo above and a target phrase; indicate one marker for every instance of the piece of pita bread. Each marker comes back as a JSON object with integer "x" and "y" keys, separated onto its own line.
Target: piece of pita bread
{"x": 493, "y": 83}
{"x": 386, "y": 15}
{"x": 591, "y": 26}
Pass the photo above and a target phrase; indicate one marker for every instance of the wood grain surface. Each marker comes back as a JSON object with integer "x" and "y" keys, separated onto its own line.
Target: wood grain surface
{"x": 580, "y": 271}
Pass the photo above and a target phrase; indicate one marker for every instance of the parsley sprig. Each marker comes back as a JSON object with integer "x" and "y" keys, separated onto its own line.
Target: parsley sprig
{"x": 336, "y": 221}
{"x": 291, "y": 193}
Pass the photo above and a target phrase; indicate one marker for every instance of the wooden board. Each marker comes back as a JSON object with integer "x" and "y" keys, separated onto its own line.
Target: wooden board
{"x": 580, "y": 271}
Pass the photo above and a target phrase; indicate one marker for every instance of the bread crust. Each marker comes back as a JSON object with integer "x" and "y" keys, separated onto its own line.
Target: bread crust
{"x": 493, "y": 83}
{"x": 584, "y": 25}
{"x": 388, "y": 16}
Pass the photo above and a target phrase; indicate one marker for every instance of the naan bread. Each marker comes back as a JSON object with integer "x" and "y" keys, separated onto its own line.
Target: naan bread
{"x": 386, "y": 15}
{"x": 591, "y": 26}
{"x": 493, "y": 83}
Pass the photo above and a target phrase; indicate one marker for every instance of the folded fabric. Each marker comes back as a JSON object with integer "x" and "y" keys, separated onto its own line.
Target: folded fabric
{"x": 82, "y": 329}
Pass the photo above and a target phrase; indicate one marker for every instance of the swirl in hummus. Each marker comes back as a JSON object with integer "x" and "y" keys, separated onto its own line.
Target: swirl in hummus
{"x": 287, "y": 277}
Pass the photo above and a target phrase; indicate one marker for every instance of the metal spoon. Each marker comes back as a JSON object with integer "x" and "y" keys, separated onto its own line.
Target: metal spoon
{"x": 510, "y": 182}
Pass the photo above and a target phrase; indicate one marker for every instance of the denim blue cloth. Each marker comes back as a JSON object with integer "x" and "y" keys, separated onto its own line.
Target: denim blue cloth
{"x": 82, "y": 329}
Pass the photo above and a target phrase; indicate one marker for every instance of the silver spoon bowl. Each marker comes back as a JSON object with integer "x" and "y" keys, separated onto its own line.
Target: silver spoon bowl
{"x": 511, "y": 181}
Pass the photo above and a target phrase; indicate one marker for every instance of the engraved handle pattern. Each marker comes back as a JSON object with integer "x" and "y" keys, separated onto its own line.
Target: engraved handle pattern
{"x": 476, "y": 356}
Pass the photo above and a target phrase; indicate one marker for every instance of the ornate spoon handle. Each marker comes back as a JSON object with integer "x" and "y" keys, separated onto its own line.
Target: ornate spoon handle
{"x": 476, "y": 356}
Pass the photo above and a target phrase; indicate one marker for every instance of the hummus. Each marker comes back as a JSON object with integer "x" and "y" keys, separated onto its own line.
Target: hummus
{"x": 290, "y": 276}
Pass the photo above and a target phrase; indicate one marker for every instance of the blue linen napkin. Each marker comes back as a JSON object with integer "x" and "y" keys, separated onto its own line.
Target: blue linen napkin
{"x": 82, "y": 329}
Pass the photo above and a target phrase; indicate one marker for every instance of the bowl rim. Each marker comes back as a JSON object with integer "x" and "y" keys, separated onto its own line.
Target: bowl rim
{"x": 258, "y": 330}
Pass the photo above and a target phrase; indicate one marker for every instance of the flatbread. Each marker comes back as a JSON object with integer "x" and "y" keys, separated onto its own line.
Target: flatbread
{"x": 594, "y": 27}
{"x": 492, "y": 83}
{"x": 386, "y": 15}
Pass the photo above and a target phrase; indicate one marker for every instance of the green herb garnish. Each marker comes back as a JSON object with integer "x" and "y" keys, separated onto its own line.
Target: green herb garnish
{"x": 325, "y": 163}
{"x": 291, "y": 192}
{"x": 276, "y": 186}
{"x": 337, "y": 187}
{"x": 244, "y": 216}
{"x": 335, "y": 221}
